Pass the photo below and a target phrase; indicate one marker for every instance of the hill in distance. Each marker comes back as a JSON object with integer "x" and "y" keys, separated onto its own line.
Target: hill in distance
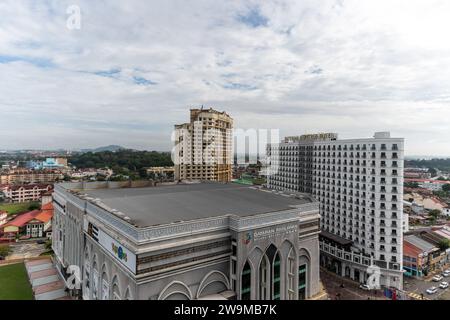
{"x": 112, "y": 148}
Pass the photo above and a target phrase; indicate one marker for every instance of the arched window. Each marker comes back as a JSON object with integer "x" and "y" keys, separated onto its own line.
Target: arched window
{"x": 128, "y": 294}
{"x": 246, "y": 282}
{"x": 302, "y": 282}
{"x": 95, "y": 280}
{"x": 87, "y": 276}
{"x": 276, "y": 282}
{"x": 291, "y": 275}
{"x": 116, "y": 290}
{"x": 263, "y": 278}
{"x": 269, "y": 274}
{"x": 105, "y": 286}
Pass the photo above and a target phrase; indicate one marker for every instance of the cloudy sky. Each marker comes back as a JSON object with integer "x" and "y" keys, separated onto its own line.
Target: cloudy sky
{"x": 133, "y": 69}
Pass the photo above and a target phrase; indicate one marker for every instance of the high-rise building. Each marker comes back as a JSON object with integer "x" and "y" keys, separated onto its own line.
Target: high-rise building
{"x": 204, "y": 147}
{"x": 359, "y": 184}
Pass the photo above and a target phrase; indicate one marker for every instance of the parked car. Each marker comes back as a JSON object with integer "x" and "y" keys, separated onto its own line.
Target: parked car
{"x": 446, "y": 274}
{"x": 432, "y": 290}
{"x": 443, "y": 285}
{"x": 364, "y": 287}
{"x": 41, "y": 241}
{"x": 437, "y": 278}
{"x": 447, "y": 271}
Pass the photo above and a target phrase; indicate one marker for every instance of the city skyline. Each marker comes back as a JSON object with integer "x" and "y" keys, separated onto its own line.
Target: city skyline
{"x": 299, "y": 67}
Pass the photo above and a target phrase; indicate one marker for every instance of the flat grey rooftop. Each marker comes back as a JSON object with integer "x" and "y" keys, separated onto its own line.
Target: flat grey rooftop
{"x": 419, "y": 243}
{"x": 166, "y": 204}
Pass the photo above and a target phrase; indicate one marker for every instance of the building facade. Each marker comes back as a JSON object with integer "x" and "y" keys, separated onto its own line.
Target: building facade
{"x": 418, "y": 256}
{"x": 204, "y": 147}
{"x": 26, "y": 192}
{"x": 271, "y": 253}
{"x": 21, "y": 176}
{"x": 359, "y": 184}
{"x": 33, "y": 224}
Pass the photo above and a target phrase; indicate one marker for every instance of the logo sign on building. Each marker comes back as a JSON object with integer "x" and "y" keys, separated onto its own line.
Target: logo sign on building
{"x": 115, "y": 248}
{"x": 247, "y": 238}
{"x": 273, "y": 232}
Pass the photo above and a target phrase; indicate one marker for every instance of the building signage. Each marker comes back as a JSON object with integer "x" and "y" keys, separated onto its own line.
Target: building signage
{"x": 313, "y": 137}
{"x": 119, "y": 251}
{"x": 273, "y": 232}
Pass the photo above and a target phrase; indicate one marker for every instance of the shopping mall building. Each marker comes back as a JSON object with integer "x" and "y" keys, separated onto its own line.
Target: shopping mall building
{"x": 186, "y": 241}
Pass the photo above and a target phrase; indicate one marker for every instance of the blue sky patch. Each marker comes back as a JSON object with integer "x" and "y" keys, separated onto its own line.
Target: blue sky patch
{"x": 38, "y": 62}
{"x": 239, "y": 86}
{"x": 144, "y": 82}
{"x": 254, "y": 18}
{"x": 113, "y": 73}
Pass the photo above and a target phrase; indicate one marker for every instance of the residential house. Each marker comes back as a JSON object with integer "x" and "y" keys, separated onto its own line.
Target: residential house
{"x": 33, "y": 224}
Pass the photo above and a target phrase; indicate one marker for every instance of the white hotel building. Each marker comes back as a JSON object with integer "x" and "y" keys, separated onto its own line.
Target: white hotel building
{"x": 359, "y": 184}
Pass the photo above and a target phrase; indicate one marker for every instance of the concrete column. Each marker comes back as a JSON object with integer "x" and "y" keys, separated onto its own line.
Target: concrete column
{"x": 362, "y": 276}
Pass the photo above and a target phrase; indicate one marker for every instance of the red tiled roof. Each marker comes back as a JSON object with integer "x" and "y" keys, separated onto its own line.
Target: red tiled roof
{"x": 30, "y": 186}
{"x": 44, "y": 215}
{"x": 47, "y": 206}
{"x": 23, "y": 219}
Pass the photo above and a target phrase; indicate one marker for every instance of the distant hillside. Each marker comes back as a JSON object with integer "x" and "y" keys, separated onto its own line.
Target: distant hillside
{"x": 122, "y": 160}
{"x": 112, "y": 148}
{"x": 440, "y": 164}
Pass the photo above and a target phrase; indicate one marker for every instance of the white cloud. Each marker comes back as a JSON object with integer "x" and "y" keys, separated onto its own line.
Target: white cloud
{"x": 133, "y": 69}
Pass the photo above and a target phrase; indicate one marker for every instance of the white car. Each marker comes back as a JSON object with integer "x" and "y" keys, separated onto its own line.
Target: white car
{"x": 443, "y": 285}
{"x": 432, "y": 290}
{"x": 447, "y": 271}
{"x": 364, "y": 287}
{"x": 446, "y": 274}
{"x": 437, "y": 278}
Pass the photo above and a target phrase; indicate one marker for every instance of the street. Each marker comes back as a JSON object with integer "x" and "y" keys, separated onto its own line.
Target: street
{"x": 418, "y": 287}
{"x": 351, "y": 291}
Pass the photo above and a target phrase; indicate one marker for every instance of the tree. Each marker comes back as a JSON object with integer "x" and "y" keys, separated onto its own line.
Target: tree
{"x": 444, "y": 244}
{"x": 413, "y": 185}
{"x": 34, "y": 206}
{"x": 432, "y": 171}
{"x": 48, "y": 244}
{"x": 4, "y": 251}
{"x": 435, "y": 213}
{"x": 446, "y": 187}
{"x": 143, "y": 173}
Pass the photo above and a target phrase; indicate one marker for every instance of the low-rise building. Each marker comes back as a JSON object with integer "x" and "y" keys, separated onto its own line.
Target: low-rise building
{"x": 23, "y": 176}
{"x": 83, "y": 173}
{"x": 420, "y": 203}
{"x": 187, "y": 241}
{"x": 49, "y": 163}
{"x": 33, "y": 224}
{"x": 429, "y": 184}
{"x": 26, "y": 192}
{"x": 161, "y": 172}
{"x": 418, "y": 256}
